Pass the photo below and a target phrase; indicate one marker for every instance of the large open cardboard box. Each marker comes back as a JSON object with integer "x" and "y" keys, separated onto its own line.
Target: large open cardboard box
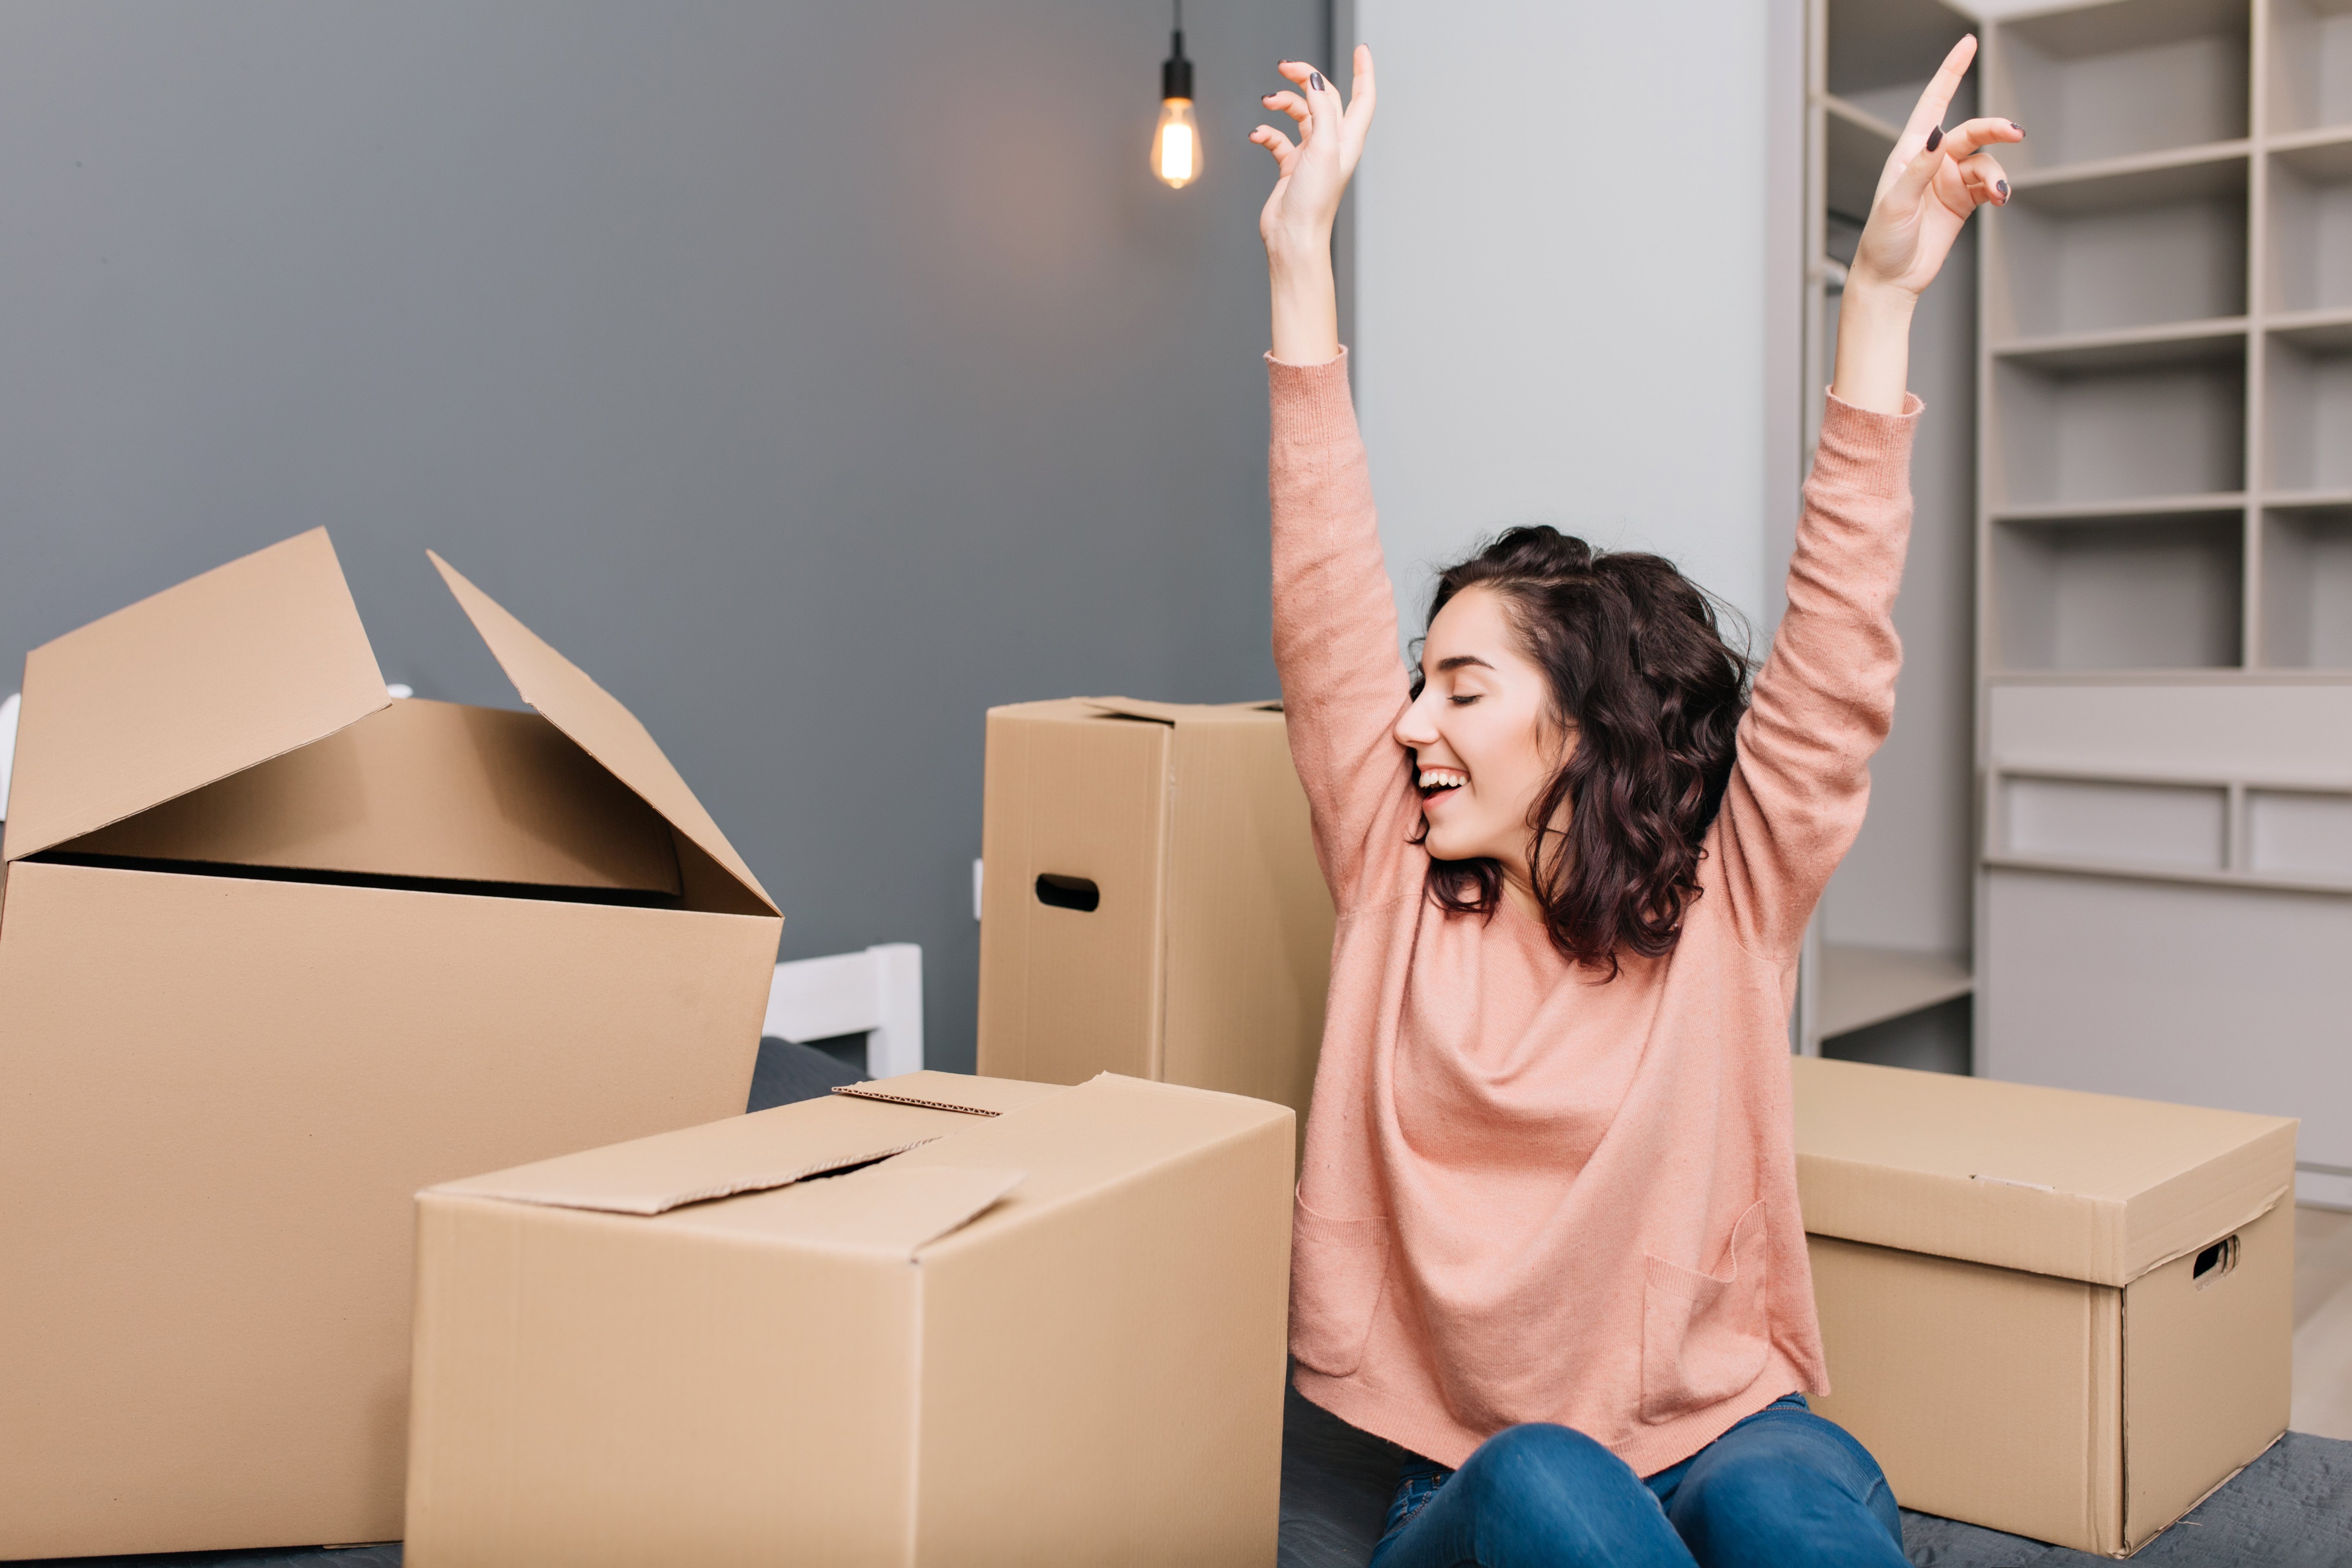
{"x": 2067, "y": 1316}
{"x": 1039, "y": 1325}
{"x": 277, "y": 950}
{"x": 1151, "y": 901}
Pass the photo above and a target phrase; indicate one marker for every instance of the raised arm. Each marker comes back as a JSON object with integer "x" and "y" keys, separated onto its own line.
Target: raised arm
{"x": 1826, "y": 694}
{"x": 1335, "y": 630}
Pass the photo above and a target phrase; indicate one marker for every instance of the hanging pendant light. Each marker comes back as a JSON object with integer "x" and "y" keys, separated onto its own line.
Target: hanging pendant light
{"x": 1176, "y": 140}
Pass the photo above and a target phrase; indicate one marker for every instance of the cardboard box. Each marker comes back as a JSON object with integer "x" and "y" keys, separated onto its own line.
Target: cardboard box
{"x": 1047, "y": 1326}
{"x": 1151, "y": 901}
{"x": 2063, "y": 1315}
{"x": 276, "y": 952}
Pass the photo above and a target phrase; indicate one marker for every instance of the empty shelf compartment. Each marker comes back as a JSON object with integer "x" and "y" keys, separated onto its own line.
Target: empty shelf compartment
{"x": 1866, "y": 985}
{"x": 2299, "y": 835}
{"x": 2307, "y": 613}
{"x": 2111, "y": 822}
{"x": 2310, "y": 64}
{"x": 2119, "y": 421}
{"x": 2109, "y": 81}
{"x": 2137, "y": 250}
{"x": 2309, "y": 429}
{"x": 2160, "y": 592}
{"x": 2310, "y": 247}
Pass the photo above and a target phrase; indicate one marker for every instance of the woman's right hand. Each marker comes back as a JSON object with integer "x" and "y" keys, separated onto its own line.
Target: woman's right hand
{"x": 1297, "y": 221}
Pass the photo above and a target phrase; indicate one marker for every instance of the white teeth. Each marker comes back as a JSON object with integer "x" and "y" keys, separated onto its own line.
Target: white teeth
{"x": 1443, "y": 778}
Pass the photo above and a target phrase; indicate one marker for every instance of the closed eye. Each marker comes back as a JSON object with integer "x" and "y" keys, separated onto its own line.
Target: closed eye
{"x": 1464, "y": 701}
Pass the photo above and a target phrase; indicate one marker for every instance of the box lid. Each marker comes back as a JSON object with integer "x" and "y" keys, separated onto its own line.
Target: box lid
{"x": 1063, "y": 1143}
{"x": 596, "y": 721}
{"x": 241, "y": 664}
{"x": 2052, "y": 1181}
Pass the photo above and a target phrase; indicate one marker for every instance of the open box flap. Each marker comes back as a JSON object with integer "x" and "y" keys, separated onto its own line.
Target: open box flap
{"x": 1177, "y": 712}
{"x": 721, "y": 1159}
{"x": 2082, "y": 1186}
{"x": 247, "y": 662}
{"x": 953, "y": 1091}
{"x": 596, "y": 721}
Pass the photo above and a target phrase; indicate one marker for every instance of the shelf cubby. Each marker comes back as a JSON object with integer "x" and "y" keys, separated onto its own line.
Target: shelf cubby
{"x": 2299, "y": 835}
{"x": 1857, "y": 146}
{"x": 1908, "y": 886}
{"x": 2310, "y": 227}
{"x": 2156, "y": 591}
{"x": 1880, "y": 53}
{"x": 2118, "y": 417}
{"x": 2311, "y": 65}
{"x": 2113, "y": 822}
{"x": 2113, "y": 80}
{"x": 2121, "y": 246}
{"x": 2307, "y": 413}
{"x": 2306, "y": 587}
{"x": 2165, "y": 551}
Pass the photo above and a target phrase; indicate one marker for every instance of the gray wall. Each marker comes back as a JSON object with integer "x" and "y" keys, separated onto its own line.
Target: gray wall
{"x": 814, "y": 375}
{"x": 1561, "y": 281}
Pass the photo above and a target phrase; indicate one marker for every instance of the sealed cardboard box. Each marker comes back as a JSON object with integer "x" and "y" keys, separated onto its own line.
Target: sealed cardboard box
{"x": 276, "y": 951}
{"x": 1031, "y": 1325}
{"x": 2063, "y": 1315}
{"x": 1151, "y": 901}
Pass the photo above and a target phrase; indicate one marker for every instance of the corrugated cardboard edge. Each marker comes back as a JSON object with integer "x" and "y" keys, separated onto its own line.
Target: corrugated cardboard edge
{"x": 859, "y": 1091}
{"x": 962, "y": 1093}
{"x": 596, "y": 721}
{"x": 315, "y": 668}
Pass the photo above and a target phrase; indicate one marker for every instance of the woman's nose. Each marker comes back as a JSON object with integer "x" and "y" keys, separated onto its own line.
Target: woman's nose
{"x": 1415, "y": 728}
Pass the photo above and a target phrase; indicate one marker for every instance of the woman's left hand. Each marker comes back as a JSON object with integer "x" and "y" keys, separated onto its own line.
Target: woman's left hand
{"x": 1934, "y": 179}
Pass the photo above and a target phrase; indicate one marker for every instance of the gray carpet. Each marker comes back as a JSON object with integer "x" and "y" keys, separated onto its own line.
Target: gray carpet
{"x": 787, "y": 1072}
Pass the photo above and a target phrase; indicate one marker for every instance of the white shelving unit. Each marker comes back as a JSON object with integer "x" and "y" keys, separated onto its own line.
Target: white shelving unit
{"x": 1890, "y": 948}
{"x": 2165, "y": 537}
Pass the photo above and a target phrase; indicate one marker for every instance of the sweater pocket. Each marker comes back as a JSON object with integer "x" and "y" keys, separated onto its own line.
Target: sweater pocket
{"x": 1338, "y": 1267}
{"x": 1703, "y": 1338}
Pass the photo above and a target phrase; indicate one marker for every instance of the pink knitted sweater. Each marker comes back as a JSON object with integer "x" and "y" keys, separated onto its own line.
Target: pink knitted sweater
{"x": 1530, "y": 1193}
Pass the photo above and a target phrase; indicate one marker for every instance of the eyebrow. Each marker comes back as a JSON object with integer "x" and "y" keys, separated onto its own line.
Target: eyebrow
{"x": 1461, "y": 660}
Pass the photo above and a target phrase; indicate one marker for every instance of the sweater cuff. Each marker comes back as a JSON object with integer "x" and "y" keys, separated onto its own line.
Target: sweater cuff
{"x": 1870, "y": 451}
{"x": 1312, "y": 404}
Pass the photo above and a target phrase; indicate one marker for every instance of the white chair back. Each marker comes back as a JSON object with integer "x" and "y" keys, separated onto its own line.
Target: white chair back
{"x": 877, "y": 993}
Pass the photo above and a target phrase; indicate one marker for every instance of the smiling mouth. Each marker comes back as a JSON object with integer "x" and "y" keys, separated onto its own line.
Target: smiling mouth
{"x": 1436, "y": 781}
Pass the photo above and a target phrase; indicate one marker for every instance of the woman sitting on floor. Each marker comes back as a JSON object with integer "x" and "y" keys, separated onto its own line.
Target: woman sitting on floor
{"x": 1547, "y": 1235}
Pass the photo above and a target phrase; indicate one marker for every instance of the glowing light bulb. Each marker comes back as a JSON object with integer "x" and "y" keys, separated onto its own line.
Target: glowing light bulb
{"x": 1176, "y": 140}
{"x": 1176, "y": 143}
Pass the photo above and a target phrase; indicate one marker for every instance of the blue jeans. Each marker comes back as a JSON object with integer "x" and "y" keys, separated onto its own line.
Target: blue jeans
{"x": 1783, "y": 1487}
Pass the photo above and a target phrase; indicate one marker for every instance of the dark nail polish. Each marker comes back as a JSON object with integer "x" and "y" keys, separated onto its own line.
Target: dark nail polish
{"x": 2013, "y": 125}
{"x": 2002, "y": 186}
{"x": 1315, "y": 81}
{"x": 1934, "y": 138}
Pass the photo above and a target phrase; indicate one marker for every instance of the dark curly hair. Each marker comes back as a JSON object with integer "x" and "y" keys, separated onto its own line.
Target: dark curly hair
{"x": 1641, "y": 672}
